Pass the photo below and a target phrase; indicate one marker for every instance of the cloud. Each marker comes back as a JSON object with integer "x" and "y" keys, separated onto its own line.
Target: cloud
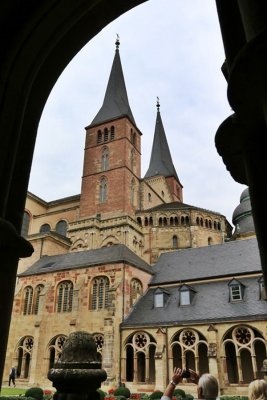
{"x": 171, "y": 49}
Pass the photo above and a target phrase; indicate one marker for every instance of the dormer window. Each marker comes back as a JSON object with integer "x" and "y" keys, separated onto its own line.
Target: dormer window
{"x": 160, "y": 297}
{"x": 236, "y": 290}
{"x": 186, "y": 295}
{"x": 262, "y": 289}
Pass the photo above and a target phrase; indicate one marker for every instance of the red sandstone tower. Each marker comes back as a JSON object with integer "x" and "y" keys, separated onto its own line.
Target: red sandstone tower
{"x": 112, "y": 159}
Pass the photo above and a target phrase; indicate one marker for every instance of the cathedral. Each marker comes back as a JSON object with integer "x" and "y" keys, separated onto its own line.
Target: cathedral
{"x": 158, "y": 282}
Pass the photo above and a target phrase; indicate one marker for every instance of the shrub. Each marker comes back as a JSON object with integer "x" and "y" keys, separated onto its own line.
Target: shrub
{"x": 102, "y": 394}
{"x": 122, "y": 391}
{"x": 156, "y": 395}
{"x": 35, "y": 392}
{"x": 16, "y": 398}
{"x": 188, "y": 397}
{"x": 179, "y": 393}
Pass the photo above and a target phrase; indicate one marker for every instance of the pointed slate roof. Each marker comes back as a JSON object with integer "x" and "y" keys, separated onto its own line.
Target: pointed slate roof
{"x": 161, "y": 159}
{"x": 115, "y": 104}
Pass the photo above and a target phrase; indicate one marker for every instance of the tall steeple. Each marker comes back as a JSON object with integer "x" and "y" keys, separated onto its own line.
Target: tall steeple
{"x": 160, "y": 160}
{"x": 115, "y": 104}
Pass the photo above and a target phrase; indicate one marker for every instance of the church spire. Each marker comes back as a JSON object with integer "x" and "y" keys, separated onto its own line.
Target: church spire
{"x": 115, "y": 104}
{"x": 160, "y": 160}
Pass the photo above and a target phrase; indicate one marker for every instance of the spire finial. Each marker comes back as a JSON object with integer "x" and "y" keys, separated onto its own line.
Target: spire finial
{"x": 117, "y": 43}
{"x": 158, "y": 105}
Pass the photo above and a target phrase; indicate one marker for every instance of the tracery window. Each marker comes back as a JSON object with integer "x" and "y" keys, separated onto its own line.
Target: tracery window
{"x": 24, "y": 354}
{"x": 64, "y": 296}
{"x": 140, "y": 358}
{"x": 105, "y": 159}
{"x": 55, "y": 349}
{"x": 136, "y": 290}
{"x": 27, "y": 300}
{"x": 188, "y": 346}
{"x": 61, "y": 227}
{"x": 37, "y": 294}
{"x": 99, "y": 341}
{"x": 99, "y": 293}
{"x": 244, "y": 351}
{"x": 103, "y": 190}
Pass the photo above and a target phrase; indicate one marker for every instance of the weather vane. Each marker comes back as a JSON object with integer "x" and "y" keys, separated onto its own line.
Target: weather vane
{"x": 158, "y": 105}
{"x": 117, "y": 41}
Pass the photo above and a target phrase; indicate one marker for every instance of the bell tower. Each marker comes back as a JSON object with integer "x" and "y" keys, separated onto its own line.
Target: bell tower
{"x": 112, "y": 158}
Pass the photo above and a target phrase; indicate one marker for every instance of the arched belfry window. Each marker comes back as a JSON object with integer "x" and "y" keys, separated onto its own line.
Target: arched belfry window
{"x": 105, "y": 159}
{"x": 27, "y": 300}
{"x": 105, "y": 134}
{"x": 99, "y": 136}
{"x": 61, "y": 227}
{"x": 64, "y": 296}
{"x": 25, "y": 224}
{"x": 103, "y": 190}
{"x": 112, "y": 133}
{"x": 99, "y": 293}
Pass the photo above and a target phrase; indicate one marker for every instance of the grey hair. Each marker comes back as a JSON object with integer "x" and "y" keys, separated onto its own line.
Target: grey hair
{"x": 257, "y": 390}
{"x": 209, "y": 385}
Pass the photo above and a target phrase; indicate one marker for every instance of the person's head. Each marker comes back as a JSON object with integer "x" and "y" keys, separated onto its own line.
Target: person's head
{"x": 257, "y": 390}
{"x": 208, "y": 387}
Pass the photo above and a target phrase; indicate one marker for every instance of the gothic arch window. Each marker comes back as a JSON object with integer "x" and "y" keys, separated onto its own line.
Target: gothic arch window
{"x": 105, "y": 159}
{"x": 133, "y": 137}
{"x": 105, "y": 134}
{"x": 64, "y": 296}
{"x": 171, "y": 221}
{"x": 149, "y": 197}
{"x": 215, "y": 225}
{"x": 99, "y": 136}
{"x": 24, "y": 354}
{"x": 25, "y": 224}
{"x": 61, "y": 227}
{"x": 150, "y": 221}
{"x": 45, "y": 228}
{"x": 248, "y": 345}
{"x": 188, "y": 346}
{"x": 174, "y": 242}
{"x": 210, "y": 224}
{"x": 140, "y": 358}
{"x": 99, "y": 293}
{"x": 37, "y": 294}
{"x": 182, "y": 220}
{"x": 197, "y": 221}
{"x": 146, "y": 221}
{"x": 165, "y": 221}
{"x": 27, "y": 300}
{"x": 103, "y": 189}
{"x": 160, "y": 221}
{"x": 136, "y": 290}
{"x": 55, "y": 349}
{"x": 112, "y": 133}
{"x": 176, "y": 221}
{"x": 201, "y": 221}
{"x": 132, "y": 191}
{"x": 219, "y": 226}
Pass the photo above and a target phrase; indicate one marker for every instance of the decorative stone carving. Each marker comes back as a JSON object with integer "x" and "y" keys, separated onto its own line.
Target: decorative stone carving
{"x": 77, "y": 374}
{"x": 212, "y": 350}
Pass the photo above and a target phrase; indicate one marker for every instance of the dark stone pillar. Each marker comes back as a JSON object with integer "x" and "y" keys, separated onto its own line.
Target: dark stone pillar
{"x": 77, "y": 375}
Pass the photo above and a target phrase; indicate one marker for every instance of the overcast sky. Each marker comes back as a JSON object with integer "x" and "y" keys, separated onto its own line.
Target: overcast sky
{"x": 171, "y": 49}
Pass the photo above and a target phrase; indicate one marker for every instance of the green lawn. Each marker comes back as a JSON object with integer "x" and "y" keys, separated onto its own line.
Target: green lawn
{"x": 11, "y": 391}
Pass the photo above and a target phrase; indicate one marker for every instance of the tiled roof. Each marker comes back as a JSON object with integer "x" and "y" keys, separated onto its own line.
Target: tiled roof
{"x": 103, "y": 256}
{"x": 230, "y": 258}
